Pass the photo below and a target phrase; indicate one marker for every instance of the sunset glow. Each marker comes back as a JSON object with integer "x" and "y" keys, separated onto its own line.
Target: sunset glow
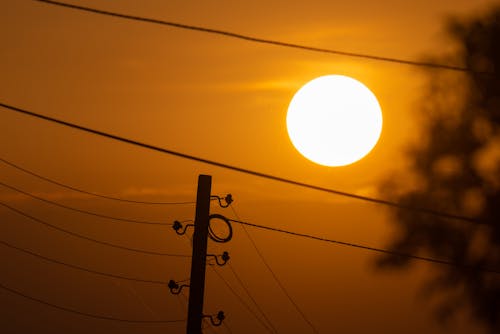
{"x": 299, "y": 112}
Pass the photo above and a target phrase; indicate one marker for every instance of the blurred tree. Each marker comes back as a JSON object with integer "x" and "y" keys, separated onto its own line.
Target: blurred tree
{"x": 455, "y": 167}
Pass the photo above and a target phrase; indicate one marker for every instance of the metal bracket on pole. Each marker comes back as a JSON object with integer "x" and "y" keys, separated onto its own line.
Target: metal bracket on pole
{"x": 179, "y": 228}
{"x": 175, "y": 288}
{"x": 224, "y": 257}
{"x": 220, "y": 317}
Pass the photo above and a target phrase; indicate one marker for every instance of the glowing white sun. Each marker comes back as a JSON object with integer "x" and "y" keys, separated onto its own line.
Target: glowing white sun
{"x": 334, "y": 120}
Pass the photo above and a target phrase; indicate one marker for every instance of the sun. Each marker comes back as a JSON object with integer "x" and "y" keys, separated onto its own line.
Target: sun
{"x": 334, "y": 120}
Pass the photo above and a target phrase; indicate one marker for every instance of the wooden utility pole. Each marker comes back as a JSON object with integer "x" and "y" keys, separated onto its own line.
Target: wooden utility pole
{"x": 198, "y": 263}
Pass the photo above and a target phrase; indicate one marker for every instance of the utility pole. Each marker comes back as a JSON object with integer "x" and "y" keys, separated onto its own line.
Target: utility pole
{"x": 200, "y": 237}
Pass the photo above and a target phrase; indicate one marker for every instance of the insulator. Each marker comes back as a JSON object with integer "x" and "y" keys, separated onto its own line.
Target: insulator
{"x": 177, "y": 225}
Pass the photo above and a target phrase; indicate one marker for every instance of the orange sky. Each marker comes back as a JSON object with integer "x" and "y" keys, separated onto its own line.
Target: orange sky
{"x": 218, "y": 98}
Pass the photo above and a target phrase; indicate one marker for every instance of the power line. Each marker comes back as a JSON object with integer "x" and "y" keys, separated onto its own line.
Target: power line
{"x": 90, "y": 315}
{"x": 261, "y": 40}
{"x": 242, "y": 301}
{"x": 268, "y": 326}
{"x": 244, "y": 170}
{"x": 135, "y": 294}
{"x": 86, "y": 191}
{"x": 88, "y": 238}
{"x": 73, "y": 266}
{"x": 82, "y": 211}
{"x": 276, "y": 279}
{"x": 243, "y": 285}
{"x": 379, "y": 250}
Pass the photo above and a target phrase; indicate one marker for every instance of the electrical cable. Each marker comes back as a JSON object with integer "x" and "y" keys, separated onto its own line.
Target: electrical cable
{"x": 261, "y": 40}
{"x": 86, "y": 191}
{"x": 90, "y": 239}
{"x": 239, "y": 298}
{"x": 73, "y": 266}
{"x": 137, "y": 296}
{"x": 244, "y": 170}
{"x": 276, "y": 279}
{"x": 379, "y": 250}
{"x": 242, "y": 301}
{"x": 83, "y": 211}
{"x": 243, "y": 285}
{"x": 90, "y": 315}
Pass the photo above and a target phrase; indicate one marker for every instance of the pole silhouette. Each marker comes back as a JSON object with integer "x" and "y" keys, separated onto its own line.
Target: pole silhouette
{"x": 197, "y": 284}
